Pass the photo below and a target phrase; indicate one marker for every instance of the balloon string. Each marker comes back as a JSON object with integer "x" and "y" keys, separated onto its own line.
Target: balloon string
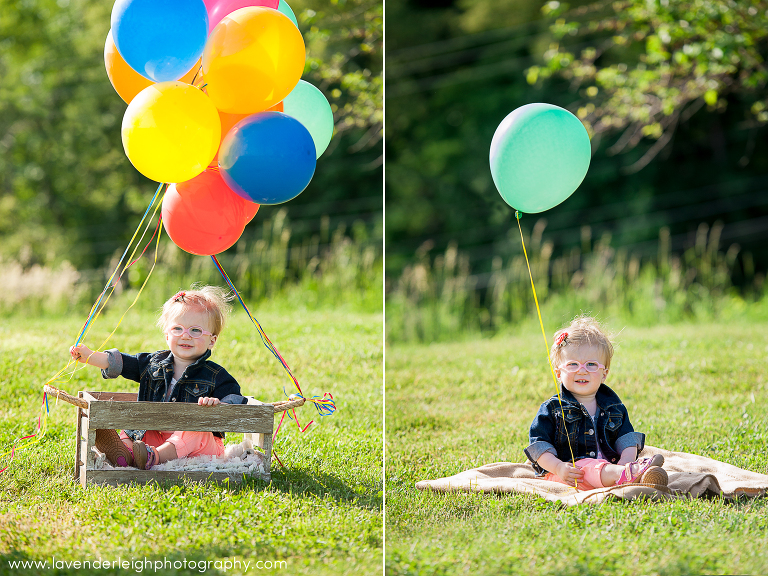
{"x": 544, "y": 334}
{"x": 42, "y": 428}
{"x": 95, "y": 311}
{"x": 324, "y": 405}
{"x": 114, "y": 284}
{"x": 194, "y": 79}
{"x": 149, "y": 274}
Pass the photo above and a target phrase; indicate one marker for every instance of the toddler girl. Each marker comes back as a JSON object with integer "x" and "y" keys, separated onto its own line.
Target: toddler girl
{"x": 191, "y": 321}
{"x": 592, "y": 425}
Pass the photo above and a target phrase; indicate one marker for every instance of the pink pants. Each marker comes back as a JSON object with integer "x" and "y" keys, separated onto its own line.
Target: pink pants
{"x": 186, "y": 443}
{"x": 591, "y": 467}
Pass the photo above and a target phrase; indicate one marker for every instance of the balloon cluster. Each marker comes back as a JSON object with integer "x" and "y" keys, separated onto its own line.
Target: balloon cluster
{"x": 217, "y": 109}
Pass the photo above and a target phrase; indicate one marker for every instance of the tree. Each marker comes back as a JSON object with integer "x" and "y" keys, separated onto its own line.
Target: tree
{"x": 647, "y": 67}
{"x": 455, "y": 69}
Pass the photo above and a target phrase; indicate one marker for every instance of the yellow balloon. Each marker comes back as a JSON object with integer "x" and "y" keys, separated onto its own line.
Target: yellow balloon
{"x": 171, "y": 131}
{"x": 252, "y": 60}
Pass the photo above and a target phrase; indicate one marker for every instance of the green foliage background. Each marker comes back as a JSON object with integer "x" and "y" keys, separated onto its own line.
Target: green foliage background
{"x": 674, "y": 94}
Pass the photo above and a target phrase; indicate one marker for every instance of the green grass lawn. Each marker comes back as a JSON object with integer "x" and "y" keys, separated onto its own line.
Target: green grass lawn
{"x": 323, "y": 515}
{"x": 450, "y": 407}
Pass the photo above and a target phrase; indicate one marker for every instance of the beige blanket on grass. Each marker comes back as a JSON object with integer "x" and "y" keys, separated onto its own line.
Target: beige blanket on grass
{"x": 690, "y": 476}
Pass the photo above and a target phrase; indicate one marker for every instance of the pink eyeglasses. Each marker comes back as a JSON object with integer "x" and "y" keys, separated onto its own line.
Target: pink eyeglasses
{"x": 192, "y": 331}
{"x": 589, "y": 366}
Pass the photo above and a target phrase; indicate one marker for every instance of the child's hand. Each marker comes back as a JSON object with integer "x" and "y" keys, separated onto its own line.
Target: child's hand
{"x": 206, "y": 401}
{"x": 569, "y": 474}
{"x": 81, "y": 353}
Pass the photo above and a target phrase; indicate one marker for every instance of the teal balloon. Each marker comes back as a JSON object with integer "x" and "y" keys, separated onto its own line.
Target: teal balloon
{"x": 285, "y": 9}
{"x": 540, "y": 154}
{"x": 309, "y": 106}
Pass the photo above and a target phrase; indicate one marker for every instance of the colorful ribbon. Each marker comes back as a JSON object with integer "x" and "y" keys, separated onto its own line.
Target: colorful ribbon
{"x": 42, "y": 427}
{"x": 325, "y": 404}
{"x": 111, "y": 283}
{"x": 93, "y": 314}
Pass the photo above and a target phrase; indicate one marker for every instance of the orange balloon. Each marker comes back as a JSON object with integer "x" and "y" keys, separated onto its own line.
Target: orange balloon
{"x": 202, "y": 215}
{"x": 195, "y": 71}
{"x": 252, "y": 60}
{"x": 125, "y": 80}
{"x": 229, "y": 120}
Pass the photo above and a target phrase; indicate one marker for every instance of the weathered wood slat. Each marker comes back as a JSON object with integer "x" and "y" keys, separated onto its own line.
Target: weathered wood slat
{"x": 120, "y": 410}
{"x": 78, "y": 438}
{"x": 117, "y": 396}
{"x": 117, "y": 477}
{"x": 61, "y": 395}
{"x": 180, "y": 416}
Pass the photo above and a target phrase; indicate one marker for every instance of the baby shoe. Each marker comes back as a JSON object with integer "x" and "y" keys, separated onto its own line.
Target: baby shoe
{"x": 144, "y": 456}
{"x": 647, "y": 470}
{"x": 108, "y": 442}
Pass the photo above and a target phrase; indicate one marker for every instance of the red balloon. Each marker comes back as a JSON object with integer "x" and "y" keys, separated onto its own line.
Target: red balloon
{"x": 218, "y": 9}
{"x": 202, "y": 215}
{"x": 250, "y": 210}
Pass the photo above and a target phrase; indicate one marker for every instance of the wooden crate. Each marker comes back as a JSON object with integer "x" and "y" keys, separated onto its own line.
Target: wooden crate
{"x": 120, "y": 410}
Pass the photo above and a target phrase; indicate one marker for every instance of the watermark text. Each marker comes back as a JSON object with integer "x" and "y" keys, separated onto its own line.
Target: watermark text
{"x": 149, "y": 564}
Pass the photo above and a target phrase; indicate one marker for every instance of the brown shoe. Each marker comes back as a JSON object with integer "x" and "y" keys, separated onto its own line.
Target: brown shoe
{"x": 118, "y": 454}
{"x": 645, "y": 470}
{"x": 144, "y": 456}
{"x": 655, "y": 475}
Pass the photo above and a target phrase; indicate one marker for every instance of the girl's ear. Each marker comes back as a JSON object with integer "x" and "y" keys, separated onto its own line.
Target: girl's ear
{"x": 213, "y": 341}
{"x": 605, "y": 375}
{"x": 557, "y": 373}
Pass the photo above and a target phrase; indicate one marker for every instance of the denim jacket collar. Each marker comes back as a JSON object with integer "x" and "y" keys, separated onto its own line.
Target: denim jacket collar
{"x": 164, "y": 360}
{"x": 605, "y": 397}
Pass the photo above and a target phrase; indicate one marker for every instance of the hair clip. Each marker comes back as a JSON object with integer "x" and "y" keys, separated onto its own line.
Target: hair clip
{"x": 562, "y": 339}
{"x": 179, "y": 296}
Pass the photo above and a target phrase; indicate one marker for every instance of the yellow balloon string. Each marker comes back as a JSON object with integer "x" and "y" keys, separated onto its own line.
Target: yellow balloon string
{"x": 544, "y": 334}
{"x": 43, "y": 418}
{"x": 111, "y": 286}
{"x": 41, "y": 430}
{"x": 149, "y": 274}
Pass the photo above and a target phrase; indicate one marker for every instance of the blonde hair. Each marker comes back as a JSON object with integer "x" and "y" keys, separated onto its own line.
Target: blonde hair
{"x": 583, "y": 331}
{"x": 211, "y": 300}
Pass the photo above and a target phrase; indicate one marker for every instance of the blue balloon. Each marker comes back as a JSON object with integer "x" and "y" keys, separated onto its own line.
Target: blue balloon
{"x": 268, "y": 158}
{"x": 160, "y": 39}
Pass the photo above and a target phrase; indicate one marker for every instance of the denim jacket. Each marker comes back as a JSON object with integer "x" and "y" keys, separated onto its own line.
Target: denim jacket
{"x": 553, "y": 427}
{"x": 154, "y": 371}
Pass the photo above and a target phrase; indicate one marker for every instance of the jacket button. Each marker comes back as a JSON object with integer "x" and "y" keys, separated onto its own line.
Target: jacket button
{"x": 592, "y": 454}
{"x": 602, "y": 413}
{"x": 591, "y": 432}
{"x": 173, "y": 399}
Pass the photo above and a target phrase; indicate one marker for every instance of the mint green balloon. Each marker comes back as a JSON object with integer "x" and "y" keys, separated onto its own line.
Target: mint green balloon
{"x": 285, "y": 9}
{"x": 310, "y": 107}
{"x": 540, "y": 154}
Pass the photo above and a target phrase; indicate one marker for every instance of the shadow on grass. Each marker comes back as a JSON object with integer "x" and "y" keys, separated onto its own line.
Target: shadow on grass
{"x": 56, "y": 469}
{"x": 326, "y": 485}
{"x": 293, "y": 482}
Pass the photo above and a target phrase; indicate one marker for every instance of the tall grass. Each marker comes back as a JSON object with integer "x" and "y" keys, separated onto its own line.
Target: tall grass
{"x": 334, "y": 268}
{"x": 439, "y": 298}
